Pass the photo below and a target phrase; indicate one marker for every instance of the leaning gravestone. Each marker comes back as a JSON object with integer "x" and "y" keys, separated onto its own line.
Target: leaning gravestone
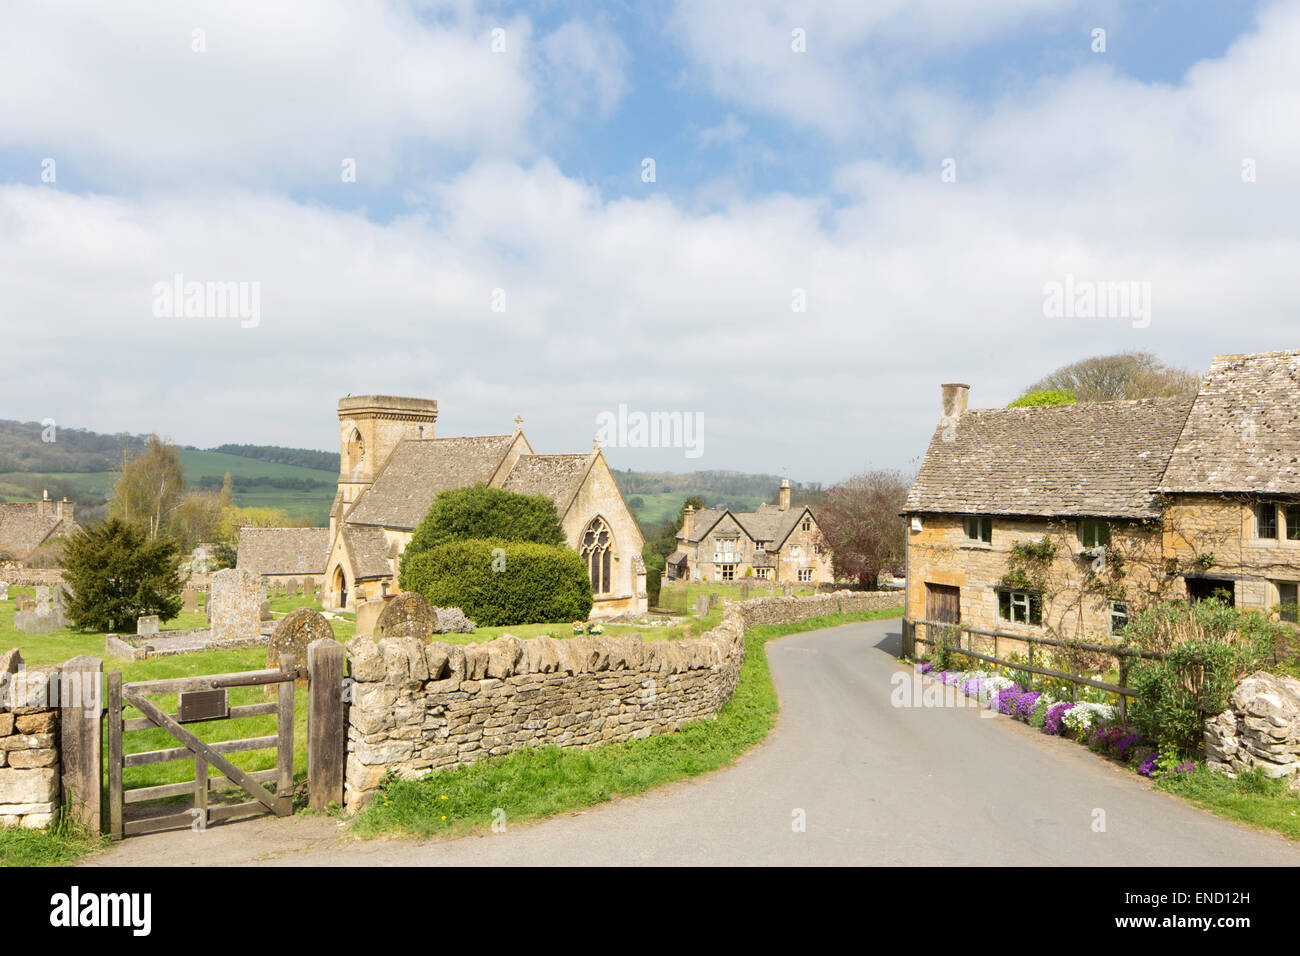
{"x": 147, "y": 624}
{"x": 234, "y": 604}
{"x": 407, "y": 615}
{"x": 295, "y": 631}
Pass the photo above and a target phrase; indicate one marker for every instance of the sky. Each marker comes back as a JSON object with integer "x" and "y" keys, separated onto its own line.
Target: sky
{"x": 790, "y": 222}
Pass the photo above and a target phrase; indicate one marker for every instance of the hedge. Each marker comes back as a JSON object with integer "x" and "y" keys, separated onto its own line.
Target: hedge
{"x": 499, "y": 582}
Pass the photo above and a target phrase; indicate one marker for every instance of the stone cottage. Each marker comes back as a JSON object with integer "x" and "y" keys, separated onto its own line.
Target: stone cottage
{"x": 392, "y": 467}
{"x": 26, "y": 525}
{"x": 1069, "y": 517}
{"x": 774, "y": 543}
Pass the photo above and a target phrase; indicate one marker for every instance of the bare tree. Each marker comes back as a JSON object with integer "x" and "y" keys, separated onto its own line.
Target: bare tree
{"x": 1105, "y": 378}
{"x": 860, "y": 523}
{"x": 149, "y": 487}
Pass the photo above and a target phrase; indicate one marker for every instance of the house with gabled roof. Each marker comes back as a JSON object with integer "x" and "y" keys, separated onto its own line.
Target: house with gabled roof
{"x": 392, "y": 467}
{"x": 773, "y": 543}
{"x": 1067, "y": 518}
{"x": 26, "y": 525}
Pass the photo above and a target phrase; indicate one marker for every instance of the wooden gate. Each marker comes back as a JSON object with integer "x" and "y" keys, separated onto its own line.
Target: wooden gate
{"x": 200, "y": 699}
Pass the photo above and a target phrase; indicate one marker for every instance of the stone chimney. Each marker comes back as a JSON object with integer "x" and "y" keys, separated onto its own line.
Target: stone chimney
{"x": 953, "y": 401}
{"x": 688, "y": 522}
{"x": 785, "y": 495}
{"x": 44, "y": 507}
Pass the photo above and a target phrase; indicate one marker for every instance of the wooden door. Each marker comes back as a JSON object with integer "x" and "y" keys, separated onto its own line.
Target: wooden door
{"x": 942, "y": 603}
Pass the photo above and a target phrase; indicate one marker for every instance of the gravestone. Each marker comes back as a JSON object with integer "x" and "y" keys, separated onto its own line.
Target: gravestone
{"x": 744, "y": 590}
{"x": 713, "y": 601}
{"x": 291, "y": 587}
{"x": 4, "y": 590}
{"x": 407, "y": 615}
{"x": 264, "y": 611}
{"x": 189, "y": 600}
{"x": 39, "y": 621}
{"x": 787, "y": 590}
{"x": 42, "y": 592}
{"x": 701, "y": 605}
{"x": 147, "y": 624}
{"x": 26, "y": 603}
{"x": 367, "y": 615}
{"x": 295, "y": 631}
{"x": 234, "y": 604}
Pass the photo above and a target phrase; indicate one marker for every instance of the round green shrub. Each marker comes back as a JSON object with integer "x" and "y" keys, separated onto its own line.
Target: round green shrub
{"x": 499, "y": 582}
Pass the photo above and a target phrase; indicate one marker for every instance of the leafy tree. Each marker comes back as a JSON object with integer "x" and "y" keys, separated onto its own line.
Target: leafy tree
{"x": 860, "y": 523}
{"x": 196, "y": 519}
{"x": 479, "y": 512}
{"x": 1051, "y": 396}
{"x": 117, "y": 573}
{"x": 149, "y": 487}
{"x": 501, "y": 582}
{"x": 233, "y": 518}
{"x": 1106, "y": 378}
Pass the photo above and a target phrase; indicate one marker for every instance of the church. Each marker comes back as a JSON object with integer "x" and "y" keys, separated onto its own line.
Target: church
{"x": 392, "y": 467}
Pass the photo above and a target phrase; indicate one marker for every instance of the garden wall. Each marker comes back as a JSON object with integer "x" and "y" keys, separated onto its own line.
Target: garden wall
{"x": 20, "y": 577}
{"x": 1261, "y": 728}
{"x": 417, "y": 706}
{"x": 29, "y": 749}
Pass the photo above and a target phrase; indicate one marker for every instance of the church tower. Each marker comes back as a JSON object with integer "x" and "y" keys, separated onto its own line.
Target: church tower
{"x": 370, "y": 427}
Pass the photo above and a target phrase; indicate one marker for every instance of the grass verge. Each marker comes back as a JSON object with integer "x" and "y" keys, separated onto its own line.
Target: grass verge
{"x": 540, "y": 782}
{"x": 1252, "y": 798}
{"x": 60, "y": 844}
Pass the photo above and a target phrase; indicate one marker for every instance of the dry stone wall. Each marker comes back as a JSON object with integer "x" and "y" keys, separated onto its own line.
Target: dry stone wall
{"x": 418, "y": 706}
{"x": 1260, "y": 729}
{"x": 29, "y": 749}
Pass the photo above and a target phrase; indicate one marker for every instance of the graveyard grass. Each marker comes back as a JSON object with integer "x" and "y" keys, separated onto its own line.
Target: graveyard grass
{"x": 540, "y": 782}
{"x": 62, "y": 842}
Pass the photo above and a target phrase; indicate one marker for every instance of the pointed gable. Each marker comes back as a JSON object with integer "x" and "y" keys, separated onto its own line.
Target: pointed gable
{"x": 558, "y": 477}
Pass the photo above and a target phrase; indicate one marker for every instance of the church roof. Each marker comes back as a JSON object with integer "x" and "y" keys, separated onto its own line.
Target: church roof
{"x": 283, "y": 550}
{"x": 420, "y": 468}
{"x": 369, "y": 550}
{"x": 556, "y": 476}
{"x": 1243, "y": 432}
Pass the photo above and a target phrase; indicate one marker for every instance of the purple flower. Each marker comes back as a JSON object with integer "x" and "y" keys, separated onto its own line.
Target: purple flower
{"x": 924, "y": 667}
{"x": 1008, "y": 697}
{"x": 1053, "y": 722}
{"x": 972, "y": 687}
{"x": 1148, "y": 766}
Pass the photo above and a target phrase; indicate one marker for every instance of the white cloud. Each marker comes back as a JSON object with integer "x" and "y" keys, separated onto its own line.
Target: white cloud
{"x": 664, "y": 305}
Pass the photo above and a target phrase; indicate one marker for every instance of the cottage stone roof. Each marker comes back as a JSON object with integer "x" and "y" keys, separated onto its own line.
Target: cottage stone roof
{"x": 769, "y": 524}
{"x": 1102, "y": 459}
{"x": 704, "y": 521}
{"x": 23, "y": 528}
{"x": 283, "y": 550}
{"x": 1243, "y": 432}
{"x": 370, "y": 552}
{"x": 420, "y": 468}
{"x": 556, "y": 476}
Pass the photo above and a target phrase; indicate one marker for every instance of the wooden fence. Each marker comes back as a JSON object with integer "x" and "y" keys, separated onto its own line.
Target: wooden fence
{"x": 1123, "y": 655}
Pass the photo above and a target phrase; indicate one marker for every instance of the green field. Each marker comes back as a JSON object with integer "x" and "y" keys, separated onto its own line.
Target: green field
{"x": 659, "y": 508}
{"x": 315, "y": 502}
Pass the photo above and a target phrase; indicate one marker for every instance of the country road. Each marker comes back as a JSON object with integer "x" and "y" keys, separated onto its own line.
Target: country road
{"x": 875, "y": 784}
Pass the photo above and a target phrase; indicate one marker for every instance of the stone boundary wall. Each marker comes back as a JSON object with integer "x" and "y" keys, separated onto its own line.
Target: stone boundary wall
{"x": 418, "y": 706}
{"x": 1260, "y": 728}
{"x": 29, "y": 745}
{"x": 19, "y": 577}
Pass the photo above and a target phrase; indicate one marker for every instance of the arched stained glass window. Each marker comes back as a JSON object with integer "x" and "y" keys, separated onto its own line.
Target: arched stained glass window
{"x": 598, "y": 552}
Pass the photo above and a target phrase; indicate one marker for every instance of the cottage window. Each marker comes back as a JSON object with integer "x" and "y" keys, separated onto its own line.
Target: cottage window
{"x": 805, "y": 574}
{"x": 727, "y": 572}
{"x": 979, "y": 529}
{"x": 1288, "y": 595}
{"x": 598, "y": 552}
{"x": 1292, "y": 522}
{"x": 1020, "y": 607}
{"x": 1094, "y": 534}
{"x": 807, "y": 525}
{"x": 1118, "y": 616}
{"x": 763, "y": 574}
{"x": 1266, "y": 520}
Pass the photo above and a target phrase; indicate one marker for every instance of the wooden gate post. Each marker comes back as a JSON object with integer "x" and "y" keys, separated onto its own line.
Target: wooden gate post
{"x": 326, "y": 734}
{"x": 114, "y": 713}
{"x": 80, "y": 708}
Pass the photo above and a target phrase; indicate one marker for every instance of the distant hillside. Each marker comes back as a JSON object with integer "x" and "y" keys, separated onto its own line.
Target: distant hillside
{"x": 79, "y": 464}
{"x": 72, "y": 450}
